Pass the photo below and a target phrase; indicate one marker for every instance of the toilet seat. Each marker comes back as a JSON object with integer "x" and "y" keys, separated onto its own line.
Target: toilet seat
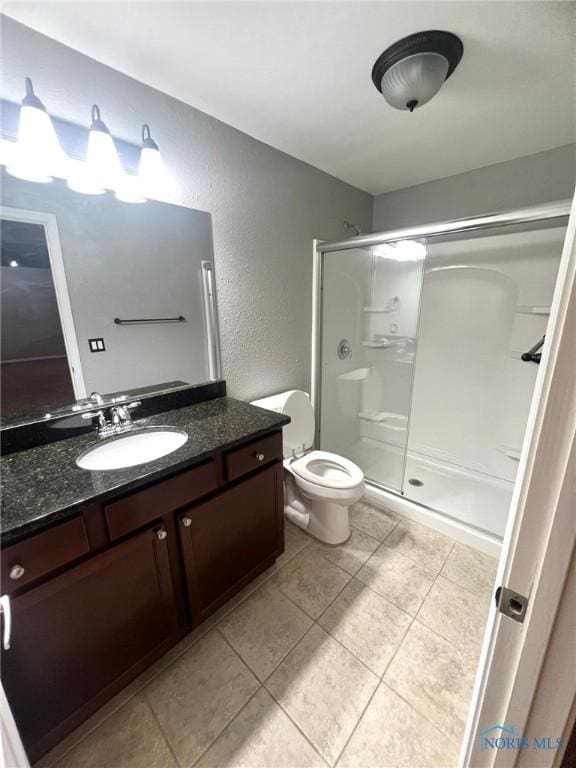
{"x": 327, "y": 470}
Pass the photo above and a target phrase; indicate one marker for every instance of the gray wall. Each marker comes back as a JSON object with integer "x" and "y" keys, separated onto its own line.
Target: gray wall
{"x": 266, "y": 206}
{"x": 539, "y": 178}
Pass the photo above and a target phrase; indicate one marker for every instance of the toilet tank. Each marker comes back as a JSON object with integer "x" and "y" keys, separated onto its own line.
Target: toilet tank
{"x": 298, "y": 436}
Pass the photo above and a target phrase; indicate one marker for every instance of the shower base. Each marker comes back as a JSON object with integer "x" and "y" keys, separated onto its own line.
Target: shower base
{"x": 468, "y": 505}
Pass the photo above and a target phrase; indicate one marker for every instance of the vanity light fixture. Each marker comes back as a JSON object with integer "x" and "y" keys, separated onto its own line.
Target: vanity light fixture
{"x": 411, "y": 71}
{"x": 153, "y": 175}
{"x": 37, "y": 154}
{"x": 102, "y": 168}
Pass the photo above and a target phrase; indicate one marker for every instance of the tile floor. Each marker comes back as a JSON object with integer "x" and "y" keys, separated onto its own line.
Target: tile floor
{"x": 361, "y": 655}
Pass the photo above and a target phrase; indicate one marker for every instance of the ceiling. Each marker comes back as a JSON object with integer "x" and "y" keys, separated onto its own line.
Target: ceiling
{"x": 296, "y": 75}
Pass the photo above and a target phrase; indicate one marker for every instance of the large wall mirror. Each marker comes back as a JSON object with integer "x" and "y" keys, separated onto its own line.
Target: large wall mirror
{"x": 101, "y": 295}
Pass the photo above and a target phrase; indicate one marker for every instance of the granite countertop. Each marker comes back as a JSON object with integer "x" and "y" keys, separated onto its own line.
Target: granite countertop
{"x": 44, "y": 484}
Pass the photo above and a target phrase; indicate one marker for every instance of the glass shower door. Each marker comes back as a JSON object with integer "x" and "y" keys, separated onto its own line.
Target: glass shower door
{"x": 369, "y": 324}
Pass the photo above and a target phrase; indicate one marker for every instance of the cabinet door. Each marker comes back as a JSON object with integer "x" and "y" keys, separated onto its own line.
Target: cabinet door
{"x": 83, "y": 634}
{"x": 231, "y": 538}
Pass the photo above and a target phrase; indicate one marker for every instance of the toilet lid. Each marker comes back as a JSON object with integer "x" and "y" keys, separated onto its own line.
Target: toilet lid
{"x": 327, "y": 469}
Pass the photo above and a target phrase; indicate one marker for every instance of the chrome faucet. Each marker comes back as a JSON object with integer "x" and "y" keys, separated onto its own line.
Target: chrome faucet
{"x": 120, "y": 417}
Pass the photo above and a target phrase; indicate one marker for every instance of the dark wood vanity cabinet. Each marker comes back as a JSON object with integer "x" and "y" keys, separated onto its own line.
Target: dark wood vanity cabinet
{"x": 85, "y": 630}
{"x": 230, "y": 538}
{"x": 97, "y": 598}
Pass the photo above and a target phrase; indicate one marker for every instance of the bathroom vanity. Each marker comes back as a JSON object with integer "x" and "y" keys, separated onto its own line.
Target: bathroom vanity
{"x": 103, "y": 570}
{"x": 107, "y": 570}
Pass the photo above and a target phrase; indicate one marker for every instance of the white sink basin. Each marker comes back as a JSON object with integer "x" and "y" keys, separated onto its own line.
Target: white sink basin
{"x": 131, "y": 449}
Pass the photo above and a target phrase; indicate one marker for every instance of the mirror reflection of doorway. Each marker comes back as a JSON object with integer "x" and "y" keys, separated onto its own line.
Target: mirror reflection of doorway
{"x": 35, "y": 369}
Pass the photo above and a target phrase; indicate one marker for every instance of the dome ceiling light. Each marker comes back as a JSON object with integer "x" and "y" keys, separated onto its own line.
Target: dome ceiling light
{"x": 412, "y": 71}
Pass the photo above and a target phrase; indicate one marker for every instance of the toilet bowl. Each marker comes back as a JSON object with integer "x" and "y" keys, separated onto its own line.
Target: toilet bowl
{"x": 319, "y": 486}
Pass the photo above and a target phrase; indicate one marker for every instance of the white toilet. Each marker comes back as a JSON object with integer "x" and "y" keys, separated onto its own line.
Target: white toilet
{"x": 319, "y": 486}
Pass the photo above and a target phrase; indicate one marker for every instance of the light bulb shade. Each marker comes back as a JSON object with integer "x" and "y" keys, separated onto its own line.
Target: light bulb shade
{"x": 415, "y": 80}
{"x": 81, "y": 180}
{"x": 410, "y": 72}
{"x": 128, "y": 190}
{"x": 155, "y": 181}
{"x": 37, "y": 155}
{"x": 102, "y": 162}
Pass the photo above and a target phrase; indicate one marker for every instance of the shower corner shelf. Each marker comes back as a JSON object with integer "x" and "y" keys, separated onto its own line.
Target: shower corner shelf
{"x": 380, "y": 310}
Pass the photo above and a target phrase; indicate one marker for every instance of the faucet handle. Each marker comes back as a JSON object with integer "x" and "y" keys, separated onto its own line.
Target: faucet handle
{"x": 135, "y": 404}
{"x": 93, "y": 414}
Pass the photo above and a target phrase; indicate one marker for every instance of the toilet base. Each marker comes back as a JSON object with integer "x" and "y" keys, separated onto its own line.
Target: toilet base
{"x": 324, "y": 520}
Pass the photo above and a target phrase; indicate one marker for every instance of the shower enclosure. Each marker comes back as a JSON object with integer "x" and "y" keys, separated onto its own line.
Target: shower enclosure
{"x": 420, "y": 336}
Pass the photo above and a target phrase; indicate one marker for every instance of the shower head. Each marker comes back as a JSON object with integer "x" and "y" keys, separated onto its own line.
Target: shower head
{"x": 348, "y": 225}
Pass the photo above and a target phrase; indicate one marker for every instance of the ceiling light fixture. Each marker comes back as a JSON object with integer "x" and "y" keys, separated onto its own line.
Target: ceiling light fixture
{"x": 37, "y": 155}
{"x": 410, "y": 72}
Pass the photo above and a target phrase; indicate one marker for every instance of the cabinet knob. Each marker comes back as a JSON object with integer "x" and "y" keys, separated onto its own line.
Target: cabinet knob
{"x": 16, "y": 572}
{"x": 161, "y": 534}
{"x": 259, "y": 456}
{"x": 186, "y": 522}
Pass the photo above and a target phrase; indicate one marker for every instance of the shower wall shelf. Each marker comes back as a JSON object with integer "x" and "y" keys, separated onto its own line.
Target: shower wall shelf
{"x": 378, "y": 344}
{"x": 387, "y": 343}
{"x": 524, "y": 309}
{"x": 380, "y": 310}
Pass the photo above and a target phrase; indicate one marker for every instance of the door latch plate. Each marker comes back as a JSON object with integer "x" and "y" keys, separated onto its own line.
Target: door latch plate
{"x": 511, "y": 604}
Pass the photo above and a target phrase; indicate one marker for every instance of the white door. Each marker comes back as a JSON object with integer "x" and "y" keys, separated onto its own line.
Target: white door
{"x": 536, "y": 555}
{"x": 48, "y": 221}
{"x": 12, "y": 754}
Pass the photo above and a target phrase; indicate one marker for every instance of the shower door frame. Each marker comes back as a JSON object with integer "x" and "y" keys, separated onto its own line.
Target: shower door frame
{"x": 530, "y": 214}
{"x": 537, "y": 552}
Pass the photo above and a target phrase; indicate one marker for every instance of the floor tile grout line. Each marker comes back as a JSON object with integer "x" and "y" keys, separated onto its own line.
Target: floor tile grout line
{"x": 297, "y": 726}
{"x": 91, "y": 729}
{"x": 235, "y": 715}
{"x": 256, "y": 588}
{"x": 341, "y": 644}
{"x": 421, "y": 714}
{"x": 413, "y": 619}
{"x": 228, "y": 724}
{"x": 279, "y": 703}
{"x": 467, "y": 589}
{"x": 357, "y": 723}
{"x": 294, "y": 644}
{"x": 413, "y": 558}
{"x": 458, "y": 650}
{"x": 164, "y": 736}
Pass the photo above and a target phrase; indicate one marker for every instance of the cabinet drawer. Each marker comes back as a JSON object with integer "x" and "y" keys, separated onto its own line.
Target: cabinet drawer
{"x": 142, "y": 507}
{"x": 253, "y": 455}
{"x": 38, "y": 555}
